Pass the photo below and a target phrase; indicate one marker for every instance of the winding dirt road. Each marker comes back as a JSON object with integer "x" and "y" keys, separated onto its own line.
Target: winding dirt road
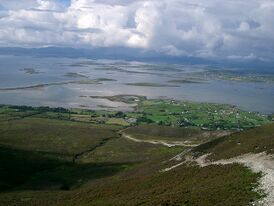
{"x": 160, "y": 142}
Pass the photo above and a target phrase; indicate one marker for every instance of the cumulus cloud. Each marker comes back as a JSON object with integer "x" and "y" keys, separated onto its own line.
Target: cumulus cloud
{"x": 213, "y": 29}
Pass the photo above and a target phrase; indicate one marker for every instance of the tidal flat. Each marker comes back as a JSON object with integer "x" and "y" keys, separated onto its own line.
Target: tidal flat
{"x": 36, "y": 81}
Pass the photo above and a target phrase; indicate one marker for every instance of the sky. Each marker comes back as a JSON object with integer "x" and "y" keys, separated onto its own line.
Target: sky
{"x": 228, "y": 29}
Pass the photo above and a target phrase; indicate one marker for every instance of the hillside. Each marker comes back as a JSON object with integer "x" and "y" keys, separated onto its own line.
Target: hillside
{"x": 52, "y": 160}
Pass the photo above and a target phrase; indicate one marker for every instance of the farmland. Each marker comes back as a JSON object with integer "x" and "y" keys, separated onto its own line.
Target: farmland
{"x": 203, "y": 115}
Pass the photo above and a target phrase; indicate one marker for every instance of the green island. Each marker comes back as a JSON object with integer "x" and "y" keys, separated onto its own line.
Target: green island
{"x": 82, "y": 81}
{"x": 58, "y": 156}
{"x": 231, "y": 75}
{"x": 30, "y": 71}
{"x": 75, "y": 75}
{"x": 147, "y": 84}
{"x": 187, "y": 81}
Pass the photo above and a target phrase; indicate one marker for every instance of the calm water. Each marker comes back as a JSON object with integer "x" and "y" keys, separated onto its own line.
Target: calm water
{"x": 249, "y": 96}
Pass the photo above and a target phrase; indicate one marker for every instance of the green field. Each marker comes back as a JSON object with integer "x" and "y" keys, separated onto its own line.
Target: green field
{"x": 207, "y": 116}
{"x": 203, "y": 115}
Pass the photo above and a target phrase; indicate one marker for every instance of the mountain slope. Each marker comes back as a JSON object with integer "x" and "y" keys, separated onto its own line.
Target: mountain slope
{"x": 60, "y": 162}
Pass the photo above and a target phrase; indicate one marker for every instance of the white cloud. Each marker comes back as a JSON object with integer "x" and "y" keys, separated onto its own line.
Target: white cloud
{"x": 244, "y": 26}
{"x": 221, "y": 29}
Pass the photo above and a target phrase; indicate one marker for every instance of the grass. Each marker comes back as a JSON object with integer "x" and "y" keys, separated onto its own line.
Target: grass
{"x": 117, "y": 121}
{"x": 214, "y": 185}
{"x": 31, "y": 170}
{"x": 80, "y": 118}
{"x": 255, "y": 140}
{"x": 48, "y": 153}
{"x": 9, "y": 113}
{"x": 156, "y": 132}
{"x": 41, "y": 153}
{"x": 124, "y": 150}
{"x": 187, "y": 186}
{"x": 57, "y": 136}
{"x": 54, "y": 156}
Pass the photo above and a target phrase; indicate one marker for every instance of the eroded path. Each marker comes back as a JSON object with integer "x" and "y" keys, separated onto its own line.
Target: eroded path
{"x": 159, "y": 142}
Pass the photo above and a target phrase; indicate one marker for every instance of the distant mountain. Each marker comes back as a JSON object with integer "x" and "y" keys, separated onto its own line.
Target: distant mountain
{"x": 131, "y": 54}
{"x": 119, "y": 53}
